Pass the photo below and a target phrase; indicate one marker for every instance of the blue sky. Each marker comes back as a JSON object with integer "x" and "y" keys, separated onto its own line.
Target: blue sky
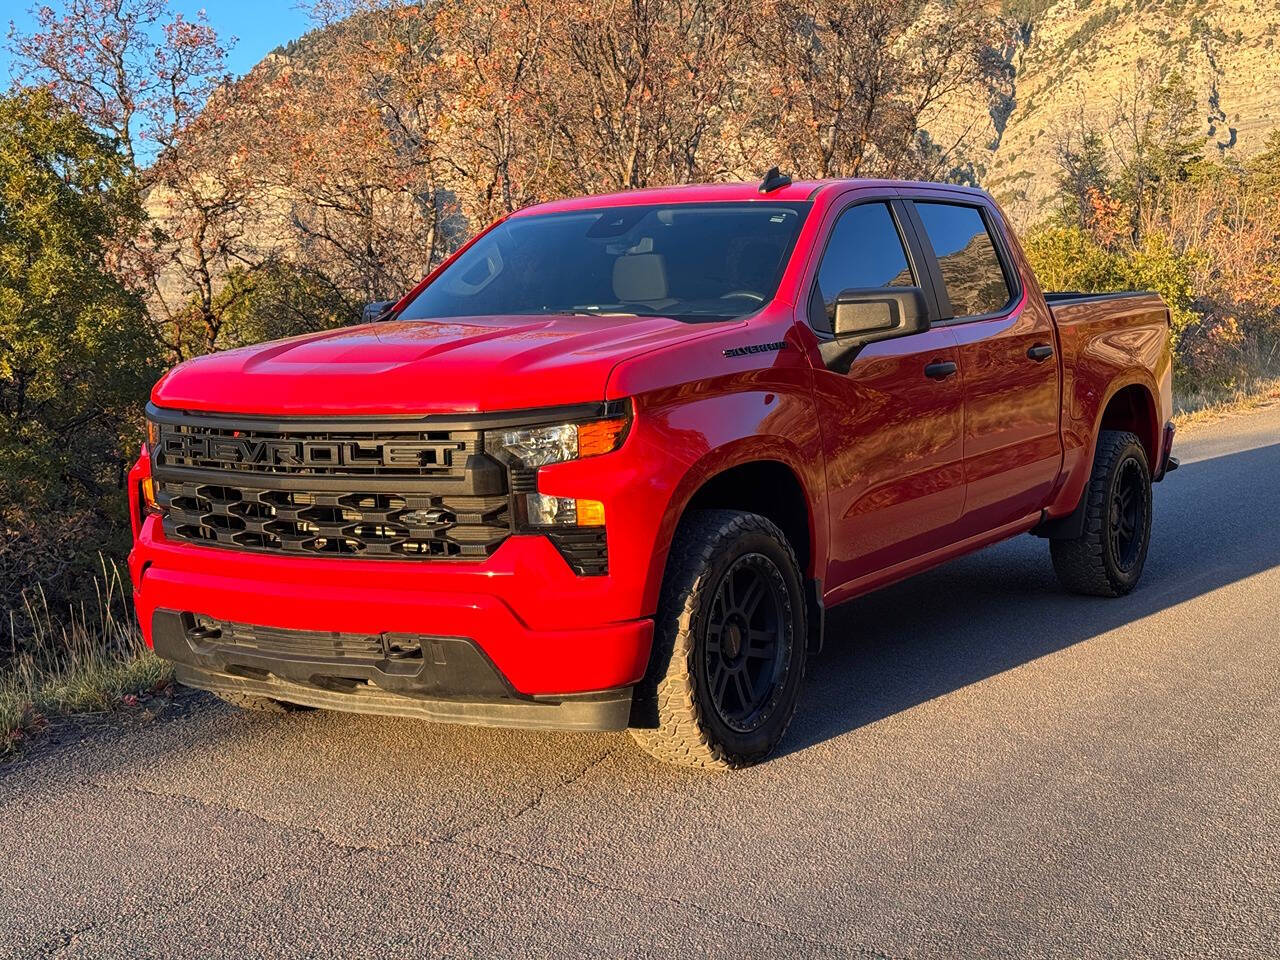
{"x": 259, "y": 25}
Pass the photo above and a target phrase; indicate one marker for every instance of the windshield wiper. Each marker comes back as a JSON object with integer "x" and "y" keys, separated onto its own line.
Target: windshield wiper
{"x": 588, "y": 313}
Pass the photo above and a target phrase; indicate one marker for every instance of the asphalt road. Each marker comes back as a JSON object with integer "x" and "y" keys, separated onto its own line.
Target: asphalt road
{"x": 981, "y": 765}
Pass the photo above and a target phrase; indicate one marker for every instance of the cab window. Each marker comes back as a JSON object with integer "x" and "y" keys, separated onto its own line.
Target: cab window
{"x": 865, "y": 252}
{"x": 967, "y": 257}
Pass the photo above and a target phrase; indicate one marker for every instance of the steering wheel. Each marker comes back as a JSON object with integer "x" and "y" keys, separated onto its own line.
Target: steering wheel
{"x": 746, "y": 294}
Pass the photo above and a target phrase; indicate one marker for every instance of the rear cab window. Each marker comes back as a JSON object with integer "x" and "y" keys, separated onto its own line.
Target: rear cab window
{"x": 972, "y": 272}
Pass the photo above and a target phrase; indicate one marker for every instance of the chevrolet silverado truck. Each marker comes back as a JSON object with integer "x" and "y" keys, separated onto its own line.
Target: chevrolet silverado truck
{"x": 609, "y": 465}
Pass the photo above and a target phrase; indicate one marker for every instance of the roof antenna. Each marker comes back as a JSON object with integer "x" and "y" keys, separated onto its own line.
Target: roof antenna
{"x": 773, "y": 180}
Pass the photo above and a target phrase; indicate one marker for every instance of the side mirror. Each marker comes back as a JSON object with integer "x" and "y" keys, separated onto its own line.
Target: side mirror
{"x": 378, "y": 310}
{"x": 865, "y": 316}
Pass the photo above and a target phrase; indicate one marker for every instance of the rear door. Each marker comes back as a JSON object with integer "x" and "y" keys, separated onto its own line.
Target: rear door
{"x": 891, "y": 413}
{"x": 1008, "y": 362}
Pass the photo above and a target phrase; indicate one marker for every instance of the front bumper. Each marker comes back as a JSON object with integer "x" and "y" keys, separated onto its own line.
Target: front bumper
{"x": 436, "y": 678}
{"x": 544, "y": 628}
{"x": 548, "y": 631}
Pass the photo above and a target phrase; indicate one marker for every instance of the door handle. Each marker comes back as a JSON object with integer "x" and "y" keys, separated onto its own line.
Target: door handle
{"x": 1040, "y": 352}
{"x": 940, "y": 369}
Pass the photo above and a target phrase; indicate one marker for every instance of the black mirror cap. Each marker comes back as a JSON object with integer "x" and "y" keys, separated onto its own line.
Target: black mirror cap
{"x": 865, "y": 316}
{"x": 378, "y": 310}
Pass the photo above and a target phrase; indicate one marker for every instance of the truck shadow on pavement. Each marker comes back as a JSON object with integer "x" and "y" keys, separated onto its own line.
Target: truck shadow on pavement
{"x": 1213, "y": 525}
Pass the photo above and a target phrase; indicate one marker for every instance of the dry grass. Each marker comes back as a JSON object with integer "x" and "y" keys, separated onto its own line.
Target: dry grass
{"x": 1194, "y": 408}
{"x": 91, "y": 660}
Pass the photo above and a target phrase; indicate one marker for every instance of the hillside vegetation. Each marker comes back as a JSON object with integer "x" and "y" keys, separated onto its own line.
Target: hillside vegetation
{"x": 1080, "y": 63}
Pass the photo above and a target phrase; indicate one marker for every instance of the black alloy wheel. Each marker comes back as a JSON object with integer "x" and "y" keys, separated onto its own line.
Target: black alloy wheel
{"x": 1106, "y": 558}
{"x": 1128, "y": 520}
{"x": 729, "y": 647}
{"x": 746, "y": 650}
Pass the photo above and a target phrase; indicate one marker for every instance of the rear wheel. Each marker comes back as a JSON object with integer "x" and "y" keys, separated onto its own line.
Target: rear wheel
{"x": 1106, "y": 560}
{"x": 729, "y": 644}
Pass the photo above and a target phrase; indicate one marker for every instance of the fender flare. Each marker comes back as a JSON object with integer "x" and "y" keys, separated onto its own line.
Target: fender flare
{"x": 1071, "y": 525}
{"x": 728, "y": 456}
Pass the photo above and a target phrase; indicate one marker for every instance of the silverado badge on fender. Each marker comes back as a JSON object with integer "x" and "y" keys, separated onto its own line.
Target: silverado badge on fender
{"x": 756, "y": 348}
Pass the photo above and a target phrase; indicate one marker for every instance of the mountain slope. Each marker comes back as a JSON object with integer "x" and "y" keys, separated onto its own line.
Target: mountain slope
{"x": 1078, "y": 56}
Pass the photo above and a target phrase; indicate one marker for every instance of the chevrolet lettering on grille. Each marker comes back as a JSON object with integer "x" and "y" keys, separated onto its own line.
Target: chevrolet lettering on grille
{"x": 301, "y": 453}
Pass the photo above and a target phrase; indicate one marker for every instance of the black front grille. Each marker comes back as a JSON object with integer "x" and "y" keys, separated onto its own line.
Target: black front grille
{"x": 378, "y": 490}
{"x": 325, "y": 450}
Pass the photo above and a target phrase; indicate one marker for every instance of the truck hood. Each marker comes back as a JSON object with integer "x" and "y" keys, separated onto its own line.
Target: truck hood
{"x": 455, "y": 365}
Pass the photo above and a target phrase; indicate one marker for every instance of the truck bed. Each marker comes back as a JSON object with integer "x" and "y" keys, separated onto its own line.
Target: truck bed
{"x": 1099, "y": 334}
{"x": 1108, "y": 311}
{"x": 1059, "y": 298}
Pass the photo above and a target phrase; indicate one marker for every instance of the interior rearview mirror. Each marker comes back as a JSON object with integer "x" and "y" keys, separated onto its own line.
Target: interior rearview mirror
{"x": 865, "y": 316}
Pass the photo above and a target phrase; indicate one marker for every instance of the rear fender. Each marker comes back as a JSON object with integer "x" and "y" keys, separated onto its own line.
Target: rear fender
{"x": 1070, "y": 498}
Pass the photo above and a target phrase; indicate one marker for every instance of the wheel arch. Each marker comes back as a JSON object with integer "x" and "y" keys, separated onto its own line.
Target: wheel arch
{"x": 767, "y": 487}
{"x": 1132, "y": 407}
{"x": 1129, "y": 406}
{"x": 765, "y": 478}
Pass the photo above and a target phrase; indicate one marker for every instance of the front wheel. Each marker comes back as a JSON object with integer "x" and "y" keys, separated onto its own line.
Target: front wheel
{"x": 1106, "y": 560}
{"x": 729, "y": 644}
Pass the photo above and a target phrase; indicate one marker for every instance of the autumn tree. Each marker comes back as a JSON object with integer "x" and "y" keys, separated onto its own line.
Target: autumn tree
{"x": 207, "y": 204}
{"x": 641, "y": 88}
{"x": 1139, "y": 207}
{"x": 851, "y": 85}
{"x": 351, "y": 148}
{"x": 134, "y": 69}
{"x": 1155, "y": 141}
{"x": 146, "y": 76}
{"x": 494, "y": 83}
{"x": 1084, "y": 171}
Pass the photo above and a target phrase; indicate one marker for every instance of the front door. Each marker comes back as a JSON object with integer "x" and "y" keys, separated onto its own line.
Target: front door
{"x": 892, "y": 417}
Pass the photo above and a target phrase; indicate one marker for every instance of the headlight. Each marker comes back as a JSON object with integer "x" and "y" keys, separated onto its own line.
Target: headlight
{"x": 532, "y": 447}
{"x": 525, "y": 449}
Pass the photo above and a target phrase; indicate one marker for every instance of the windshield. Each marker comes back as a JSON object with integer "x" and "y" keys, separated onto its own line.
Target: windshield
{"x": 692, "y": 262}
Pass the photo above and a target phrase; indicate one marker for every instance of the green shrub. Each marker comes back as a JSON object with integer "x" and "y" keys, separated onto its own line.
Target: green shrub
{"x": 76, "y": 357}
{"x": 281, "y": 299}
{"x": 75, "y": 352}
{"x": 1068, "y": 258}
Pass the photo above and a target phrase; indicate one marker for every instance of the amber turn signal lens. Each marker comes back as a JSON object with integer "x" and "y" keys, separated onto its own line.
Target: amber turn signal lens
{"x": 600, "y": 436}
{"x": 149, "y": 495}
{"x": 590, "y": 513}
{"x": 153, "y": 434}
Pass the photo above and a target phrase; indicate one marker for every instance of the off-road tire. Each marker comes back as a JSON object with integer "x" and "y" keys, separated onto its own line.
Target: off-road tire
{"x": 674, "y": 717}
{"x": 247, "y": 701}
{"x": 1089, "y": 564}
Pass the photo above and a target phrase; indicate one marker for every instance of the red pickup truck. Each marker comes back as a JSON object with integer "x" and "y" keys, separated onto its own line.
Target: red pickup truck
{"x": 608, "y": 466}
